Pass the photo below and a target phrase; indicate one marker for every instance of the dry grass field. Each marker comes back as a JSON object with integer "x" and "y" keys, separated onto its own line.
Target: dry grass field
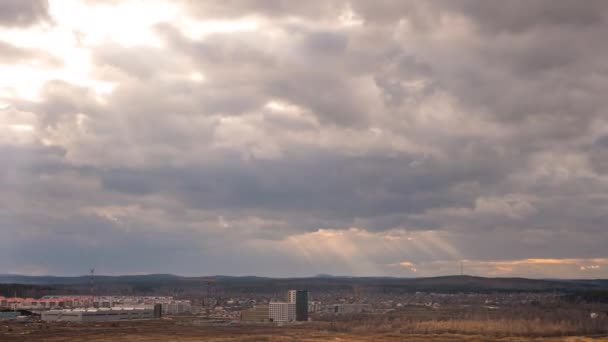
{"x": 529, "y": 321}
{"x": 556, "y": 323}
{"x": 180, "y": 330}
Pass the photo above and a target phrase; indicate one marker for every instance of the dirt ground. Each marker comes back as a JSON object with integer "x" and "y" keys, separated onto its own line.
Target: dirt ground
{"x": 179, "y": 330}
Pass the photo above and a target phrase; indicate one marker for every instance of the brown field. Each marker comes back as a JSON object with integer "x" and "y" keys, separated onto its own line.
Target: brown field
{"x": 189, "y": 329}
{"x": 530, "y": 321}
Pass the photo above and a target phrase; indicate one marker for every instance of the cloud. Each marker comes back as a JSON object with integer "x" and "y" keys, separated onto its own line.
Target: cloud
{"x": 566, "y": 268}
{"x": 23, "y": 12}
{"x": 10, "y": 54}
{"x": 351, "y": 137}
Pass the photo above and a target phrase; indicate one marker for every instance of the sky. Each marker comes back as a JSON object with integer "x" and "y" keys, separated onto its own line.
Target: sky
{"x": 292, "y": 138}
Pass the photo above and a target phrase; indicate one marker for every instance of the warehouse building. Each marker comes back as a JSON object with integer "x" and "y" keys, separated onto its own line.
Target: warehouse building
{"x": 257, "y": 314}
{"x": 98, "y": 315}
{"x": 176, "y": 307}
{"x": 350, "y": 308}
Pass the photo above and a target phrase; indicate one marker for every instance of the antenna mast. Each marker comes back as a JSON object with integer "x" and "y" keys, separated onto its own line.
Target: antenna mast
{"x": 92, "y": 282}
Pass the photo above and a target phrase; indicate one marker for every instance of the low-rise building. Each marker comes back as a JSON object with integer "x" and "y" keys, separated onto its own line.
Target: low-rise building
{"x": 314, "y": 307}
{"x": 350, "y": 308}
{"x": 97, "y": 315}
{"x": 9, "y": 314}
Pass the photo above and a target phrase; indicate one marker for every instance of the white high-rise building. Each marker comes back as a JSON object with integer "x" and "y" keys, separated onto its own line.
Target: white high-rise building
{"x": 282, "y": 312}
{"x": 291, "y": 296}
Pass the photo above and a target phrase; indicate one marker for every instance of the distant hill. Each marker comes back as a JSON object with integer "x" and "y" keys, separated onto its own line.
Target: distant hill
{"x": 471, "y": 283}
{"x": 323, "y": 275}
{"x": 99, "y": 279}
{"x": 172, "y": 284}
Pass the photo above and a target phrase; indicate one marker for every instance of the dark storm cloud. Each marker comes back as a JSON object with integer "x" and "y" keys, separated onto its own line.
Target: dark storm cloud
{"x": 325, "y": 43}
{"x": 515, "y": 16}
{"x": 599, "y": 155}
{"x": 520, "y": 15}
{"x": 376, "y": 192}
{"x": 21, "y": 164}
{"x": 23, "y": 12}
{"x": 515, "y": 68}
{"x": 237, "y": 65}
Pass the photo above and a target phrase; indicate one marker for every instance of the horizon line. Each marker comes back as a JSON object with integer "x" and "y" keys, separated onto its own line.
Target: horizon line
{"x": 289, "y": 277}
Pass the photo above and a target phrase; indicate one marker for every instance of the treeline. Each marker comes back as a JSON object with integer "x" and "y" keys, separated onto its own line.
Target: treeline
{"x": 595, "y": 296}
{"x": 25, "y": 290}
{"x": 163, "y": 284}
